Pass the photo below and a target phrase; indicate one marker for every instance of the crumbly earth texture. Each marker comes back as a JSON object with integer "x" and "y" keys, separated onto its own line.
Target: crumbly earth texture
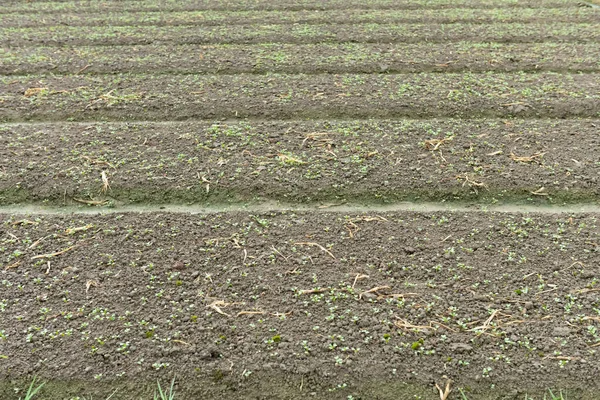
{"x": 316, "y": 304}
{"x": 290, "y": 199}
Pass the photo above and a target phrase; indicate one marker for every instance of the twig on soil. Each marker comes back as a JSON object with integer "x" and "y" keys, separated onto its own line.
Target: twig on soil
{"x": 374, "y": 290}
{"x": 486, "y": 324}
{"x": 24, "y": 222}
{"x": 442, "y": 325}
{"x": 71, "y": 231}
{"x": 91, "y": 202}
{"x": 353, "y": 228}
{"x": 359, "y": 276}
{"x": 434, "y": 144}
{"x": 311, "y": 291}
{"x": 539, "y": 192}
{"x": 58, "y": 253}
{"x": 13, "y": 265}
{"x": 404, "y": 324}
{"x": 317, "y": 245}
{"x": 250, "y": 313}
{"x": 526, "y": 159}
{"x": 472, "y": 183}
{"x": 12, "y": 236}
{"x": 105, "y": 183}
{"x": 89, "y": 284}
{"x": 396, "y": 295}
{"x": 278, "y": 252}
{"x": 278, "y": 314}
{"x": 446, "y": 392}
{"x": 97, "y": 162}
{"x": 582, "y": 291}
{"x": 34, "y": 244}
{"x": 83, "y": 69}
{"x": 180, "y": 341}
{"x": 217, "y": 304}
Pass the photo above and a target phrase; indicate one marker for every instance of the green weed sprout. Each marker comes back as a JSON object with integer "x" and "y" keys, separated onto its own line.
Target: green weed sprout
{"x": 167, "y": 394}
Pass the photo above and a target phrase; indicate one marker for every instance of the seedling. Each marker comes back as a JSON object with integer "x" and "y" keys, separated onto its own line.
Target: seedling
{"x": 168, "y": 394}
{"x": 32, "y": 391}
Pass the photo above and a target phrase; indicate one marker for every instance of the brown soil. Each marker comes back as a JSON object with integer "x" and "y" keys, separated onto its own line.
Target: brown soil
{"x": 537, "y": 161}
{"x": 347, "y": 16}
{"x": 334, "y": 58}
{"x": 344, "y": 106}
{"x": 245, "y": 302}
{"x": 152, "y": 97}
{"x": 18, "y": 6}
{"x": 301, "y": 33}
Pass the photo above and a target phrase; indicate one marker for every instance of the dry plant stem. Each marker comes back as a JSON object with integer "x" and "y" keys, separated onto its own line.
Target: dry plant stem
{"x": 434, "y": 144}
{"x": 374, "y": 290}
{"x": 58, "y": 253}
{"x": 526, "y": 159}
{"x": 13, "y": 265}
{"x": 91, "y": 202}
{"x": 316, "y": 245}
{"x": 359, "y": 276}
{"x": 250, "y": 313}
{"x": 311, "y": 291}
{"x": 105, "y": 183}
{"x": 446, "y": 392}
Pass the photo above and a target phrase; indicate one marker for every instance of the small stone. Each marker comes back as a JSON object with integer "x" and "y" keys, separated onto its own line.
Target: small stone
{"x": 368, "y": 296}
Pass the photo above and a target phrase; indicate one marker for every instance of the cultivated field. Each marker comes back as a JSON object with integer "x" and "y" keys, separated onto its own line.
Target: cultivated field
{"x": 382, "y": 199}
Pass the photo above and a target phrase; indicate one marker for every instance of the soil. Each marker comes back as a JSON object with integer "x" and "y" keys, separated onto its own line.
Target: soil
{"x": 172, "y": 97}
{"x": 17, "y": 6}
{"x": 298, "y": 161}
{"x": 301, "y": 33}
{"x": 248, "y": 302}
{"x": 336, "y": 58}
{"x": 347, "y": 16}
{"x": 275, "y": 151}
